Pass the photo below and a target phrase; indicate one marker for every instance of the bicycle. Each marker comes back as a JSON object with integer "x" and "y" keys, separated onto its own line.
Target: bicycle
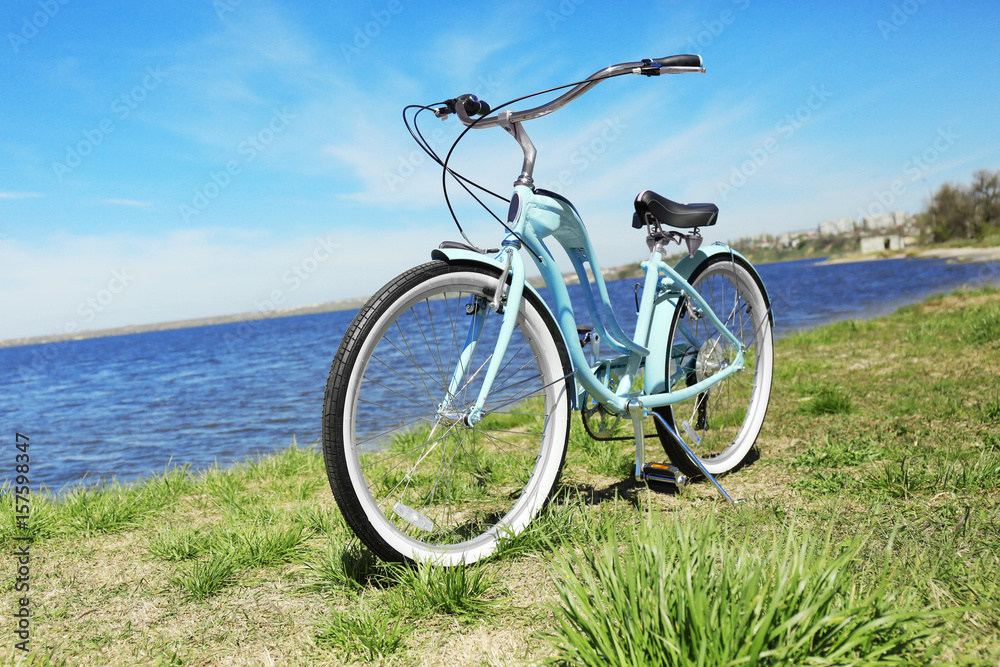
{"x": 447, "y": 409}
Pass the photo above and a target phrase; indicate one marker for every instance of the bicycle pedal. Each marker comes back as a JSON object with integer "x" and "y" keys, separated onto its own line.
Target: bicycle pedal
{"x": 664, "y": 475}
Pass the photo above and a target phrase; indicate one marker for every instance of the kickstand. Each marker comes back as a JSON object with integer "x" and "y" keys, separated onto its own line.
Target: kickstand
{"x": 693, "y": 458}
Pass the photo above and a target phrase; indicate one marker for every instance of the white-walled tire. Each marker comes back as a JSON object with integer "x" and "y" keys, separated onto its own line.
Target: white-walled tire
{"x": 728, "y": 417}
{"x": 414, "y": 483}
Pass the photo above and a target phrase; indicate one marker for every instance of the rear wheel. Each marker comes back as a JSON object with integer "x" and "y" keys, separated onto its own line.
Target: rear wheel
{"x": 412, "y": 478}
{"x": 722, "y": 423}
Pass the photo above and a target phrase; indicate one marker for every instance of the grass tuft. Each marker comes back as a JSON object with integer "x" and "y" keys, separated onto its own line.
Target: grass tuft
{"x": 351, "y": 567}
{"x": 687, "y": 596}
{"x": 463, "y": 591}
{"x": 897, "y": 478}
{"x": 828, "y": 400}
{"x": 837, "y": 450}
{"x": 113, "y": 507}
{"x": 982, "y": 325}
{"x": 363, "y": 634}
{"x": 225, "y": 486}
{"x": 558, "y": 523}
{"x": 204, "y": 579}
{"x": 263, "y": 545}
{"x": 321, "y": 520}
{"x": 45, "y": 519}
{"x": 173, "y": 544}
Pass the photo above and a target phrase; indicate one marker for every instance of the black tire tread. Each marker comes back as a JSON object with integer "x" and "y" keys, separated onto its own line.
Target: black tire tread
{"x": 673, "y": 449}
{"x": 334, "y": 454}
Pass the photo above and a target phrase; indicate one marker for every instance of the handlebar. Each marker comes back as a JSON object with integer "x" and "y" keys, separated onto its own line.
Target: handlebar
{"x": 467, "y": 106}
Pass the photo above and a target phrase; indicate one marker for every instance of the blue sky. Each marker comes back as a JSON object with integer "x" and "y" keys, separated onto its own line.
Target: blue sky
{"x": 168, "y": 160}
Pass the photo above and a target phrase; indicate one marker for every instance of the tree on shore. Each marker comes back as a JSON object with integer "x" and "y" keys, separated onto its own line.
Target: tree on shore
{"x": 965, "y": 212}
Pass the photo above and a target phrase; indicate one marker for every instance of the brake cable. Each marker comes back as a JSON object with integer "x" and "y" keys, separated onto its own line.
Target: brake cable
{"x": 458, "y": 177}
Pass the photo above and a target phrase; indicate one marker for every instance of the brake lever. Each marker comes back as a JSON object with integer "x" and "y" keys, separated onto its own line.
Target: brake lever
{"x": 447, "y": 108}
{"x": 649, "y": 68}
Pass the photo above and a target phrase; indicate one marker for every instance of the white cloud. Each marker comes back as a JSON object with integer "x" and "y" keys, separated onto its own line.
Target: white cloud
{"x": 127, "y": 202}
{"x": 20, "y": 195}
{"x": 91, "y": 282}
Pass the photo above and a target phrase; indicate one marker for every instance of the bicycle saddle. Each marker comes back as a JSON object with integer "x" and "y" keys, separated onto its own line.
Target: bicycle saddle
{"x": 666, "y": 212}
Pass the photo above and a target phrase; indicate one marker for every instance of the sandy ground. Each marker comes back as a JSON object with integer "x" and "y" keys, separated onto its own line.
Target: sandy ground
{"x": 951, "y": 254}
{"x": 963, "y": 254}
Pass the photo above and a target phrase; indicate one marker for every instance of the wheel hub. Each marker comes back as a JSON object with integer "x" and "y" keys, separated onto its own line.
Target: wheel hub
{"x": 712, "y": 357}
{"x": 453, "y": 418}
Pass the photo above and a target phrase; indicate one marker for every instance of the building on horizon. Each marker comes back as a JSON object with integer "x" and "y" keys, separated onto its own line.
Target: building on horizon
{"x": 870, "y": 244}
{"x": 884, "y": 220}
{"x": 836, "y": 227}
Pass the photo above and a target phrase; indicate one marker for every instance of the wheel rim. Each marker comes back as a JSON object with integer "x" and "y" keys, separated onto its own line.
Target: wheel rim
{"x": 432, "y": 486}
{"x": 721, "y": 424}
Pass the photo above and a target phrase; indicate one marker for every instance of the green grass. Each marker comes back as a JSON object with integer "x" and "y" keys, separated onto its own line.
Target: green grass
{"x": 263, "y": 545}
{"x": 349, "y": 567}
{"x": 94, "y": 510}
{"x": 204, "y": 579}
{"x": 612, "y": 458}
{"x": 871, "y": 517}
{"x": 829, "y": 401}
{"x": 560, "y": 522}
{"x": 362, "y": 634}
{"x": 176, "y": 544}
{"x": 837, "y": 450}
{"x": 321, "y": 520}
{"x": 464, "y": 592}
{"x": 685, "y": 595}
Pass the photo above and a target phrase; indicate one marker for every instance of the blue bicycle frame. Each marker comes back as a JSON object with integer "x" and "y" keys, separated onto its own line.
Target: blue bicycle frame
{"x": 540, "y": 214}
{"x": 536, "y": 215}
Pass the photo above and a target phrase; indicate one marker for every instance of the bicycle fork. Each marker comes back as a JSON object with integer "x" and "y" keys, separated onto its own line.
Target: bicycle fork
{"x": 506, "y": 300}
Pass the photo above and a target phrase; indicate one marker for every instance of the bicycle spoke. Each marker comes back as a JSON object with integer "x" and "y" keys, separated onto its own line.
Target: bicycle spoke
{"x": 419, "y": 471}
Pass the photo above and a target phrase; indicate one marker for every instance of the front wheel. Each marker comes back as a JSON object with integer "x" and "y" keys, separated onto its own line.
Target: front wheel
{"x": 413, "y": 479}
{"x": 722, "y": 423}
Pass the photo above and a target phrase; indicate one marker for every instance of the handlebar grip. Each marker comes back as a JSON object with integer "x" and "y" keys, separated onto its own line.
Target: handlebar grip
{"x": 682, "y": 60}
{"x": 475, "y": 106}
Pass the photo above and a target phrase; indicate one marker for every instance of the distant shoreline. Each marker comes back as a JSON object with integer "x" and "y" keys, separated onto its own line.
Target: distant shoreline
{"x": 331, "y": 306}
{"x": 951, "y": 254}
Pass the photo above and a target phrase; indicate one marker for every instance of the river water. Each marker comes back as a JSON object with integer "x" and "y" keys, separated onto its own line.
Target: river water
{"x": 128, "y": 406}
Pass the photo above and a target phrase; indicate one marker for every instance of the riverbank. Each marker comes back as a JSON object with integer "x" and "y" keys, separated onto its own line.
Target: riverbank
{"x": 869, "y": 437}
{"x": 991, "y": 255}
